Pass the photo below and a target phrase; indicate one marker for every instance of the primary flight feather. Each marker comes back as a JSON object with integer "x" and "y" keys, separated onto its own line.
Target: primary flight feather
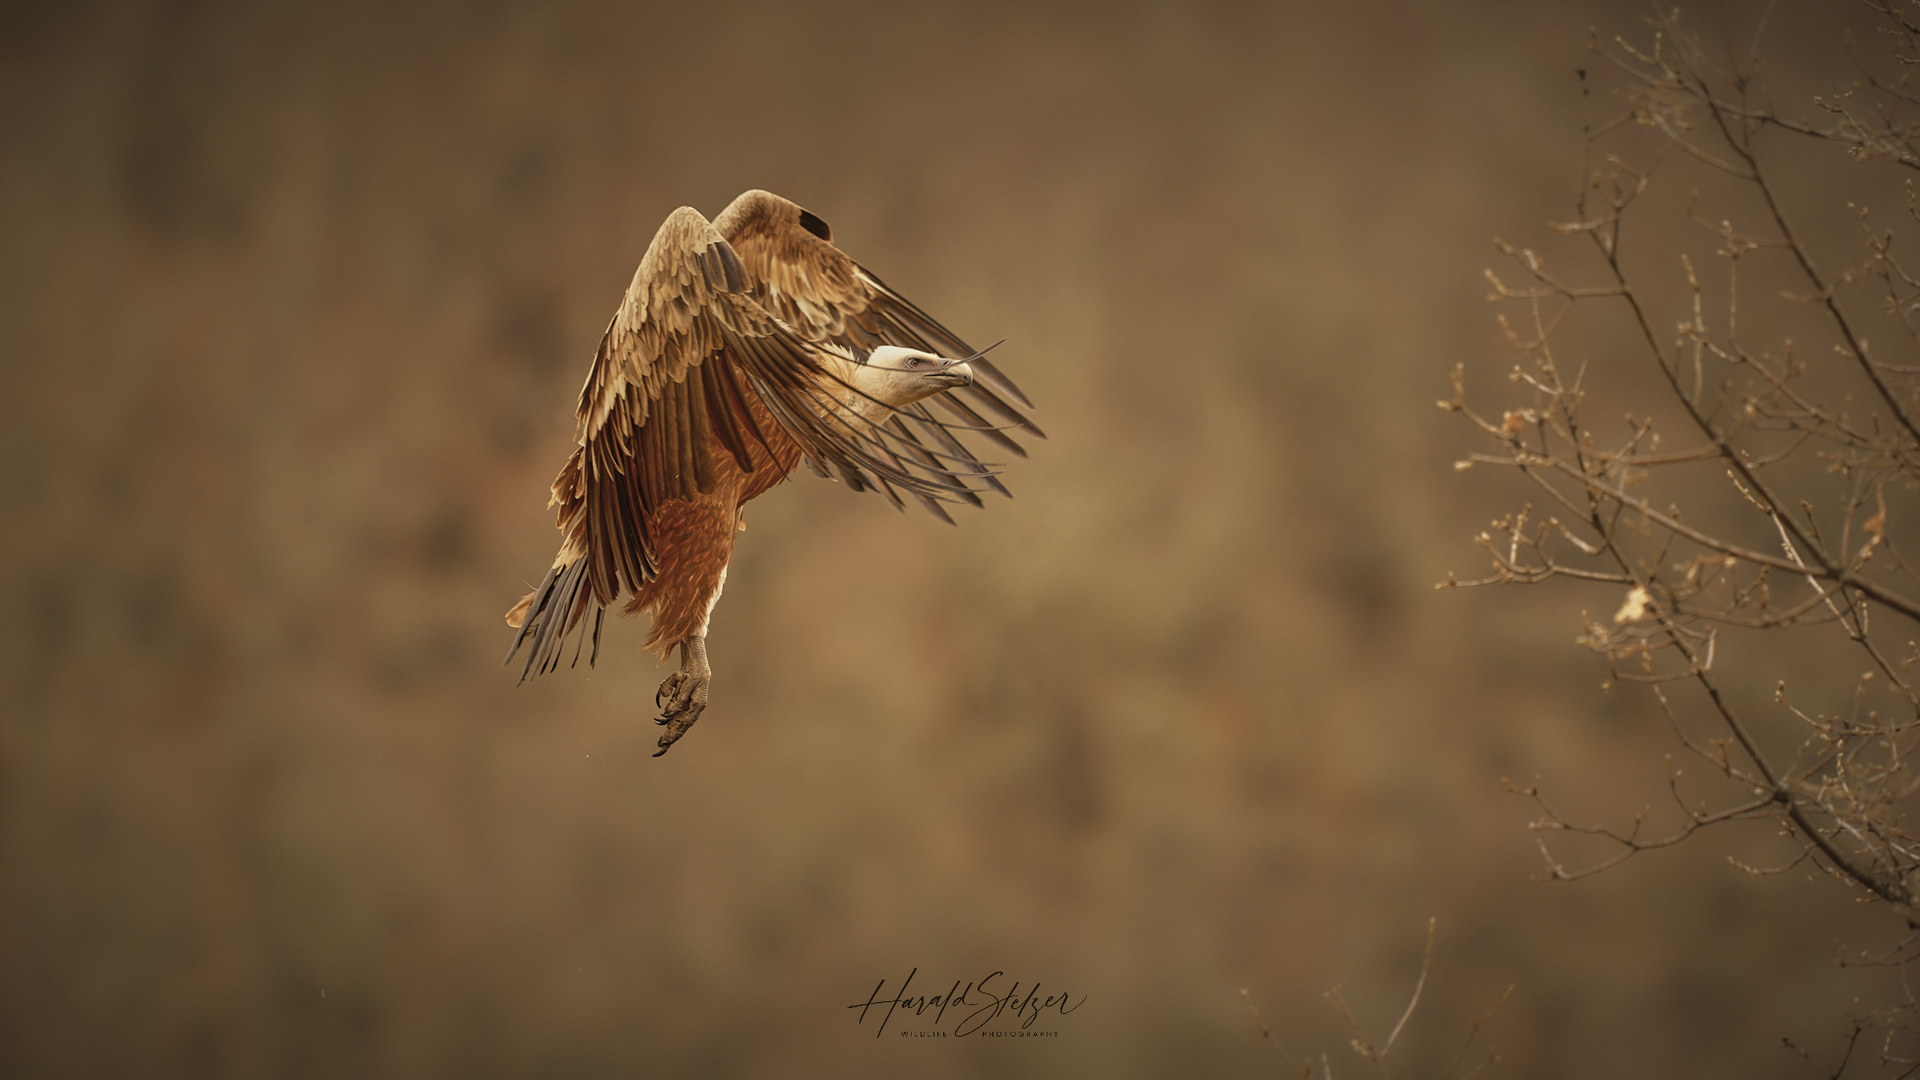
{"x": 744, "y": 346}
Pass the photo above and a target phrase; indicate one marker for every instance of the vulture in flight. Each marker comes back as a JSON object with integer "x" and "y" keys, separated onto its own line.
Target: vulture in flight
{"x": 745, "y": 346}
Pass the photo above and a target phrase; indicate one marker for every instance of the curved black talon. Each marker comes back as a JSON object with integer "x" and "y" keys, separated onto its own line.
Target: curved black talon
{"x": 683, "y": 696}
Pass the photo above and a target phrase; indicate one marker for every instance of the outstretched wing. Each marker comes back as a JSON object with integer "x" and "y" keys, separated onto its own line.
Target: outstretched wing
{"x": 669, "y": 388}
{"x": 655, "y": 402}
{"x": 822, "y": 294}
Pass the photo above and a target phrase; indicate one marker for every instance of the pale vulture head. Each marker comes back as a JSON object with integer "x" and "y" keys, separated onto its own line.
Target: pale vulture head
{"x": 893, "y": 378}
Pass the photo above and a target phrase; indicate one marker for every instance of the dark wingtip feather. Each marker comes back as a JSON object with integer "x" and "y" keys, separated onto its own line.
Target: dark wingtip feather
{"x": 556, "y": 609}
{"x": 996, "y": 379}
{"x": 933, "y": 507}
{"x": 526, "y": 620}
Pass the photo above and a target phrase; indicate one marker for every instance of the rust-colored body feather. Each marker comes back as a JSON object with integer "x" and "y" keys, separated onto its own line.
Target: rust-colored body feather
{"x": 693, "y": 539}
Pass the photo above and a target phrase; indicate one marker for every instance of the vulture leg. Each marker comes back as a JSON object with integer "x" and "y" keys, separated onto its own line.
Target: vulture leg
{"x": 684, "y": 695}
{"x": 694, "y": 540}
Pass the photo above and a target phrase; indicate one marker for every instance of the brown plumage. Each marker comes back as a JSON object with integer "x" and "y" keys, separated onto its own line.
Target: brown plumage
{"x": 743, "y": 347}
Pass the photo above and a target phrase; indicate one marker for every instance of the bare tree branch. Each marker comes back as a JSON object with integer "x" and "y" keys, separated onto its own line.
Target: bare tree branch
{"x": 1786, "y": 506}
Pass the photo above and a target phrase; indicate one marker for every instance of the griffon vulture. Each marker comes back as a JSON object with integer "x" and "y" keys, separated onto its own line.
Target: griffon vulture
{"x": 744, "y": 346}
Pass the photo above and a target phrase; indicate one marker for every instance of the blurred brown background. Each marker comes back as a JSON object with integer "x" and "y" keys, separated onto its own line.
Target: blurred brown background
{"x": 295, "y": 305}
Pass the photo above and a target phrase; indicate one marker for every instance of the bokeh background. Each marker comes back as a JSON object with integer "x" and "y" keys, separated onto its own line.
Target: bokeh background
{"x": 296, "y": 301}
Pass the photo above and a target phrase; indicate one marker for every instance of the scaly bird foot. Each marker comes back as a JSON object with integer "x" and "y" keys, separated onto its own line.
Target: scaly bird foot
{"x": 683, "y": 696}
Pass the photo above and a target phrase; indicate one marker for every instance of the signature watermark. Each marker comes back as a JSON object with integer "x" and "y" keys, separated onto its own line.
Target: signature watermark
{"x": 974, "y": 1008}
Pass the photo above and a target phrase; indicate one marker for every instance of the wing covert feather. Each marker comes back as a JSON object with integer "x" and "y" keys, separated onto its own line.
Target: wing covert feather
{"x": 645, "y": 412}
{"x": 824, "y": 295}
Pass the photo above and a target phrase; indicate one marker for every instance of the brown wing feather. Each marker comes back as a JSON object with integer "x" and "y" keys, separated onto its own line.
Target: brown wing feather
{"x": 815, "y": 288}
{"x": 648, "y": 417}
{"x": 644, "y": 418}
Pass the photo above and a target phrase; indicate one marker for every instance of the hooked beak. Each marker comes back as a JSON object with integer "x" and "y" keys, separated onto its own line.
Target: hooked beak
{"x": 957, "y": 373}
{"x": 960, "y": 372}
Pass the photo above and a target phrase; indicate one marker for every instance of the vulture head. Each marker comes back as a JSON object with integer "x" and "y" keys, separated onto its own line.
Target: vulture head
{"x": 892, "y": 377}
